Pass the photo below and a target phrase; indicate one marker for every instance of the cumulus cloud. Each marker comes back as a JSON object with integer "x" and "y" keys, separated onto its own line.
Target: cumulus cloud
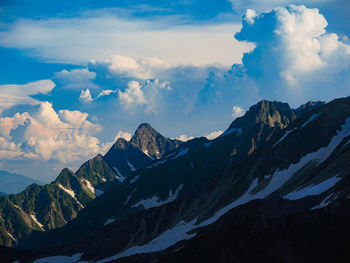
{"x": 124, "y": 135}
{"x": 106, "y": 92}
{"x": 75, "y": 78}
{"x": 209, "y": 136}
{"x": 107, "y": 145}
{"x": 294, "y": 54}
{"x": 13, "y": 94}
{"x": 237, "y": 111}
{"x": 213, "y": 135}
{"x": 146, "y": 94}
{"x": 184, "y": 137}
{"x": 85, "y": 96}
{"x": 144, "y": 68}
{"x": 133, "y": 95}
{"x": 45, "y": 134}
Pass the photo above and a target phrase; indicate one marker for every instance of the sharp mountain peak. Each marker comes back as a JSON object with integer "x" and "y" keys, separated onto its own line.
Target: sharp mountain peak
{"x": 272, "y": 113}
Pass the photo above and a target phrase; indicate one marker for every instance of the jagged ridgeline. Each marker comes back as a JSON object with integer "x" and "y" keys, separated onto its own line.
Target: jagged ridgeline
{"x": 43, "y": 208}
{"x": 263, "y": 181}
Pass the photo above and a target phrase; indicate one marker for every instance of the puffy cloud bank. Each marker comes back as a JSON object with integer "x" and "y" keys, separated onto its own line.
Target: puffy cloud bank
{"x": 45, "y": 134}
{"x": 295, "y": 56}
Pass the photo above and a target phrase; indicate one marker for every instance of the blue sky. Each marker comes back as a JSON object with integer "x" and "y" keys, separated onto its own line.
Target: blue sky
{"x": 76, "y": 75}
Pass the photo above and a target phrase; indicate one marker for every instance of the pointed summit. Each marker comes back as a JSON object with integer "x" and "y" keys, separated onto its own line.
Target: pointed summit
{"x": 151, "y": 142}
{"x": 143, "y": 132}
{"x": 271, "y": 113}
{"x": 262, "y": 121}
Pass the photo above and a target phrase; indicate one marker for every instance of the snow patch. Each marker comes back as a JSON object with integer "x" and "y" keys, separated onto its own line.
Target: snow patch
{"x": 70, "y": 192}
{"x": 88, "y": 185}
{"x": 163, "y": 241}
{"x": 96, "y": 192}
{"x": 146, "y": 152}
{"x": 119, "y": 176}
{"x": 312, "y": 117}
{"x": 315, "y": 189}
{"x": 33, "y": 216}
{"x": 323, "y": 203}
{"x": 207, "y": 144}
{"x": 170, "y": 154}
{"x": 134, "y": 179}
{"x": 245, "y": 198}
{"x": 11, "y": 236}
{"x": 60, "y": 259}
{"x": 154, "y": 201}
{"x": 132, "y": 168}
{"x": 323, "y": 153}
{"x": 181, "y": 153}
{"x": 129, "y": 196}
{"x": 192, "y": 166}
{"x": 284, "y": 136}
{"x": 109, "y": 221}
{"x": 157, "y": 163}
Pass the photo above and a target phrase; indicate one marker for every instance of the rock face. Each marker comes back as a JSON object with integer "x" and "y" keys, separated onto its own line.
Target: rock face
{"x": 146, "y": 145}
{"x": 152, "y": 143}
{"x": 124, "y": 158}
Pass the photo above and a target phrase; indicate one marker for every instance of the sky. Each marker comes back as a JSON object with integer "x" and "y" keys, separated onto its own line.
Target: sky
{"x": 76, "y": 75}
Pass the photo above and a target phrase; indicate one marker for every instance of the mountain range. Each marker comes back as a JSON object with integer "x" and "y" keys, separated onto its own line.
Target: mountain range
{"x": 274, "y": 187}
{"x": 12, "y": 183}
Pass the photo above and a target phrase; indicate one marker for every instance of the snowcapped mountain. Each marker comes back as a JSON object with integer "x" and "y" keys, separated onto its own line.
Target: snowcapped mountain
{"x": 271, "y": 181}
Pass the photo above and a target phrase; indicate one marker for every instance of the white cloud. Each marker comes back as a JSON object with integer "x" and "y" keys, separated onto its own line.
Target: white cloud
{"x": 146, "y": 96}
{"x": 133, "y": 95}
{"x": 65, "y": 136}
{"x": 128, "y": 67}
{"x": 106, "y": 92}
{"x": 213, "y": 135}
{"x": 94, "y": 36}
{"x": 237, "y": 111}
{"x": 121, "y": 134}
{"x": 13, "y": 94}
{"x": 85, "y": 96}
{"x": 184, "y": 137}
{"x": 295, "y": 54}
{"x": 124, "y": 135}
{"x": 74, "y": 117}
{"x": 75, "y": 79}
